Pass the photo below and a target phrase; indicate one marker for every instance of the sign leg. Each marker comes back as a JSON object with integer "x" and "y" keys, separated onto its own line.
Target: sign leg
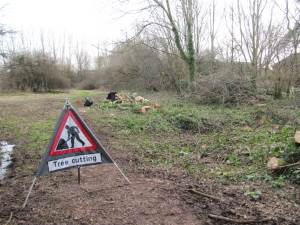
{"x": 118, "y": 168}
{"x": 78, "y": 169}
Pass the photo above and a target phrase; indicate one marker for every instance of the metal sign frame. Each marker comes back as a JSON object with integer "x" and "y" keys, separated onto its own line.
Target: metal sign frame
{"x": 50, "y": 157}
{"x": 44, "y": 169}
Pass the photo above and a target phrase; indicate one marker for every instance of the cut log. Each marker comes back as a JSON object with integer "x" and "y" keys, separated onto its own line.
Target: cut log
{"x": 139, "y": 99}
{"x": 297, "y": 137}
{"x": 275, "y": 163}
{"x": 145, "y": 108}
{"x": 156, "y": 106}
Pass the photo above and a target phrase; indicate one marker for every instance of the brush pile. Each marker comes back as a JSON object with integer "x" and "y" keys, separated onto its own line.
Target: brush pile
{"x": 132, "y": 101}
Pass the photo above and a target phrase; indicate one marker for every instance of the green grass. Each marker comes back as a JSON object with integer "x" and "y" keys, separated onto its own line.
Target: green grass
{"x": 238, "y": 141}
{"x": 30, "y": 131}
{"x": 228, "y": 144}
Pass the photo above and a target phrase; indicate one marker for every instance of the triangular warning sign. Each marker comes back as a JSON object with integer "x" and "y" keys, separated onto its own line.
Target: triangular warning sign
{"x": 72, "y": 144}
{"x": 71, "y": 137}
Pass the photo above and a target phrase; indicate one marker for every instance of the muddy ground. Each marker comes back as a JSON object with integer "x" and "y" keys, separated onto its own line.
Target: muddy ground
{"x": 154, "y": 196}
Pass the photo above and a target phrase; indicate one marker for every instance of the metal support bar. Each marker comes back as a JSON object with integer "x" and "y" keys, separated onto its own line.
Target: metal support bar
{"x": 29, "y": 192}
{"x": 67, "y": 104}
{"x": 126, "y": 178}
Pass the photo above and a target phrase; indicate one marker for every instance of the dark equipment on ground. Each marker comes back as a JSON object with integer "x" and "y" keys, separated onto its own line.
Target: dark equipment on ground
{"x": 88, "y": 102}
{"x": 112, "y": 96}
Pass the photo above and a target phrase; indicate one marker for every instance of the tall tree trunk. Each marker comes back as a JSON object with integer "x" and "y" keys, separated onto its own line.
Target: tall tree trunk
{"x": 191, "y": 50}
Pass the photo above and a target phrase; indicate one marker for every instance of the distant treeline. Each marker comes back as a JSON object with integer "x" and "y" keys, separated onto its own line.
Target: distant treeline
{"x": 178, "y": 49}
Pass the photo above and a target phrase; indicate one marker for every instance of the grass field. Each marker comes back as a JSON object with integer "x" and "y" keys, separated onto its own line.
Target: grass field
{"x": 229, "y": 144}
{"x": 226, "y": 145}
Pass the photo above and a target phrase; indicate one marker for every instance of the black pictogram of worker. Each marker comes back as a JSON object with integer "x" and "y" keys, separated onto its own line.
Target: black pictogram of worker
{"x": 73, "y": 133}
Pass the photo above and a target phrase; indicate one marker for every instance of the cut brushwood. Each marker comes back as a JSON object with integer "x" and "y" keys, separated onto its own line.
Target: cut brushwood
{"x": 238, "y": 221}
{"x": 125, "y": 98}
{"x": 289, "y": 165}
{"x": 205, "y": 195}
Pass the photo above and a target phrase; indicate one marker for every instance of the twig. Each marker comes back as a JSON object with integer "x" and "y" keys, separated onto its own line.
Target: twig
{"x": 289, "y": 165}
{"x": 9, "y": 219}
{"x": 238, "y": 221}
{"x": 205, "y": 195}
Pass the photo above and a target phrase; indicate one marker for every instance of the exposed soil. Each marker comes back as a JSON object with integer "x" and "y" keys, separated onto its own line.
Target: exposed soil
{"x": 103, "y": 197}
{"x": 155, "y": 196}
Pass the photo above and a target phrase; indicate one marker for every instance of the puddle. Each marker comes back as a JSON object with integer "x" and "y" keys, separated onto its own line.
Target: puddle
{"x": 5, "y": 157}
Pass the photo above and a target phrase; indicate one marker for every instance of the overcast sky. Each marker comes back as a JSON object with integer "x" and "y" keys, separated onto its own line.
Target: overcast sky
{"x": 87, "y": 21}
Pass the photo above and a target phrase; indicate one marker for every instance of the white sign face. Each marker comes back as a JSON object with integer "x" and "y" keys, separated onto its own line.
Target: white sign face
{"x": 74, "y": 161}
{"x": 73, "y": 136}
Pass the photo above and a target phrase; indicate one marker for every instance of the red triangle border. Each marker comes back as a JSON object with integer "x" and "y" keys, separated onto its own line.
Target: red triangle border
{"x": 54, "y": 152}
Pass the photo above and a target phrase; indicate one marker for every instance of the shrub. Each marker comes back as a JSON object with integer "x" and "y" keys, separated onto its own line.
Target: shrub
{"x": 195, "y": 124}
{"x": 133, "y": 65}
{"x": 90, "y": 82}
{"x": 35, "y": 72}
{"x": 221, "y": 89}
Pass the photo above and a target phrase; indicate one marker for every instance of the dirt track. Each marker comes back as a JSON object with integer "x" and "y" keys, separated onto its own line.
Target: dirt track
{"x": 103, "y": 197}
{"x": 155, "y": 196}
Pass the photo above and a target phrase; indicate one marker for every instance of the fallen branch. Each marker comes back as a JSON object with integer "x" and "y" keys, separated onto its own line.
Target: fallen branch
{"x": 205, "y": 195}
{"x": 238, "y": 221}
{"x": 289, "y": 165}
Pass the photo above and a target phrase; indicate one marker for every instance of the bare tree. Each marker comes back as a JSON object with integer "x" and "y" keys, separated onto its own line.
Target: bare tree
{"x": 212, "y": 34}
{"x": 176, "y": 21}
{"x": 82, "y": 62}
{"x": 186, "y": 53}
{"x": 199, "y": 26}
{"x": 251, "y": 30}
{"x": 293, "y": 35}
